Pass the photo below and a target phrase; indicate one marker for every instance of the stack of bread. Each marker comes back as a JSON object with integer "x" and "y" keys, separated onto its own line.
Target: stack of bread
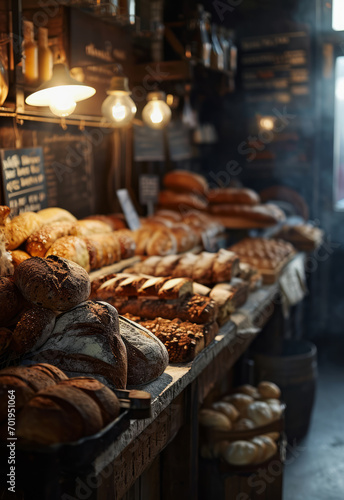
{"x": 51, "y": 408}
{"x": 234, "y": 425}
{"x": 46, "y": 317}
{"x": 241, "y": 207}
{"x": 185, "y": 191}
{"x": 268, "y": 256}
{"x": 54, "y": 231}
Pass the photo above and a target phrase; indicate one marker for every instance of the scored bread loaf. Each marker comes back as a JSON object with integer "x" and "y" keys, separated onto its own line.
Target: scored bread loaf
{"x": 33, "y": 329}
{"x": 55, "y": 214}
{"x": 71, "y": 248}
{"x": 11, "y": 301}
{"x": 39, "y": 242}
{"x": 20, "y": 228}
{"x": 53, "y": 283}
{"x": 147, "y": 356}
{"x": 86, "y": 341}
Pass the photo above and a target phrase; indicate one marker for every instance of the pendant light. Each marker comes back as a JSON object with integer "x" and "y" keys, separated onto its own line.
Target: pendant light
{"x": 61, "y": 92}
{"x": 118, "y": 107}
{"x": 156, "y": 114}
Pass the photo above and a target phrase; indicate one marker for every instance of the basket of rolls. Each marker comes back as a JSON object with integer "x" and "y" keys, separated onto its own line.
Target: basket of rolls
{"x": 245, "y": 428}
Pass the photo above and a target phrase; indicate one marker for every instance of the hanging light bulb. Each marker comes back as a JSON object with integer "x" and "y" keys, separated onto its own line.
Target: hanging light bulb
{"x": 60, "y": 93}
{"x": 156, "y": 114}
{"x": 118, "y": 107}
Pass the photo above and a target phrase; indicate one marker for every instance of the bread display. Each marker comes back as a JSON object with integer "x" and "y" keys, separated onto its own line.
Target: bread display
{"x": 33, "y": 330}
{"x": 208, "y": 268}
{"x": 197, "y": 309}
{"x": 147, "y": 356}
{"x": 20, "y": 228}
{"x": 73, "y": 249}
{"x": 53, "y": 283}
{"x": 184, "y": 181}
{"x": 86, "y": 341}
{"x": 183, "y": 340}
{"x": 235, "y": 196}
{"x": 55, "y": 214}
{"x": 39, "y": 242}
{"x": 11, "y": 301}
{"x": 268, "y": 256}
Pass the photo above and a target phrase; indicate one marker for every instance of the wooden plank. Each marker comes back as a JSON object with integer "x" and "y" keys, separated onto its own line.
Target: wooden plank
{"x": 113, "y": 268}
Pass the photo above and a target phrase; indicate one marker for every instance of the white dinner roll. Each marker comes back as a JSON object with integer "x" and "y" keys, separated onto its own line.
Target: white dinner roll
{"x": 261, "y": 449}
{"x": 243, "y": 424}
{"x": 240, "y": 401}
{"x": 260, "y": 413}
{"x": 240, "y": 453}
{"x": 273, "y": 435}
{"x": 269, "y": 390}
{"x": 227, "y": 409}
{"x": 271, "y": 447}
{"x": 249, "y": 390}
{"x": 272, "y": 401}
{"x": 215, "y": 419}
{"x": 276, "y": 411}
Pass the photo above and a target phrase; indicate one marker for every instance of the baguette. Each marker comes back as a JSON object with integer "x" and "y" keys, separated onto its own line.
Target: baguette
{"x": 175, "y": 288}
{"x": 38, "y": 244}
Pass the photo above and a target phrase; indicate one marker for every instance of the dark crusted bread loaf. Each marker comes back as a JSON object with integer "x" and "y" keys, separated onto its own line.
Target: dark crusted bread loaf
{"x": 147, "y": 356}
{"x": 106, "y": 399}
{"x": 59, "y": 414}
{"x": 54, "y": 283}
{"x": 33, "y": 329}
{"x": 53, "y": 372}
{"x": 86, "y": 342}
{"x": 11, "y": 301}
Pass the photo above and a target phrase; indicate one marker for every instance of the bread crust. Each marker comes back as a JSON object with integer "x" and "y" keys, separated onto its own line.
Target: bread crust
{"x": 40, "y": 241}
{"x": 184, "y": 181}
{"x": 236, "y": 196}
{"x": 20, "y": 228}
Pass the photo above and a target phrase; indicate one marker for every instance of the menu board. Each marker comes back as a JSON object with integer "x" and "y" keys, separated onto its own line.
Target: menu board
{"x": 69, "y": 172}
{"x": 24, "y": 182}
{"x": 276, "y": 68}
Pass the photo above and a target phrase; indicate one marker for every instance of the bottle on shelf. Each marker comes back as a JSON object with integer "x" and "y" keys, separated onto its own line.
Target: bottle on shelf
{"x": 198, "y": 46}
{"x": 30, "y": 54}
{"x": 224, "y": 42}
{"x": 217, "y": 58}
{"x": 45, "y": 56}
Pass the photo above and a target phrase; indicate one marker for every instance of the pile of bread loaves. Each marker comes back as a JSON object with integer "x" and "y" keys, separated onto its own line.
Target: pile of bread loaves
{"x": 249, "y": 408}
{"x": 46, "y": 317}
{"x": 51, "y": 408}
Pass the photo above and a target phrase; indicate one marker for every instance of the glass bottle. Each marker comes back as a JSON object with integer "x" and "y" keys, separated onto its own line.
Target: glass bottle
{"x": 45, "y": 56}
{"x": 30, "y": 54}
{"x": 217, "y": 59}
{"x": 225, "y": 47}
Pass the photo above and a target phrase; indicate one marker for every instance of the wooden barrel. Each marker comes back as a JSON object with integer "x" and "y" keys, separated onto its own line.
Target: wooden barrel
{"x": 294, "y": 369}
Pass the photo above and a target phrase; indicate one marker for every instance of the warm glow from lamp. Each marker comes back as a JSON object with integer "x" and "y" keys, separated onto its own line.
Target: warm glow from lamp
{"x": 156, "y": 114}
{"x": 118, "y": 107}
{"x": 267, "y": 123}
{"x": 60, "y": 93}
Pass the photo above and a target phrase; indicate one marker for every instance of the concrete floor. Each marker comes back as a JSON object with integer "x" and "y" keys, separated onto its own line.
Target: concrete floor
{"x": 315, "y": 467}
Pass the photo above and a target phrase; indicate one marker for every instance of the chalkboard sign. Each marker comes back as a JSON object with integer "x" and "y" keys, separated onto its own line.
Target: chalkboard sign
{"x": 148, "y": 144}
{"x": 69, "y": 172}
{"x": 24, "y": 180}
{"x": 148, "y": 188}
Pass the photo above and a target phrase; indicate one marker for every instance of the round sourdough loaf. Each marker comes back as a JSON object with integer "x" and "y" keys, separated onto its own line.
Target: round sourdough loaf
{"x": 33, "y": 329}
{"x": 147, "y": 355}
{"x": 11, "y": 301}
{"x": 54, "y": 283}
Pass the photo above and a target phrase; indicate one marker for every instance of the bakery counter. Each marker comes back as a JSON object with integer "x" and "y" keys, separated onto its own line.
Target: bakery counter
{"x": 177, "y": 394}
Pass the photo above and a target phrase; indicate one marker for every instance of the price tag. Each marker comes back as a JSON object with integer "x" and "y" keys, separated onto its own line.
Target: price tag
{"x": 128, "y": 209}
{"x": 293, "y": 283}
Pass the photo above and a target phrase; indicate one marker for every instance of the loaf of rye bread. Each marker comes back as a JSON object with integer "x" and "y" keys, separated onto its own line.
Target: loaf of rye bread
{"x": 197, "y": 309}
{"x": 86, "y": 342}
{"x": 32, "y": 330}
{"x": 147, "y": 356}
{"x": 54, "y": 283}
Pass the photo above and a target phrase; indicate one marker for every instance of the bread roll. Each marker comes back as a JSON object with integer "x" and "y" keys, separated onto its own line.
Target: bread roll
{"x": 165, "y": 266}
{"x": 105, "y": 399}
{"x": 271, "y": 447}
{"x": 147, "y": 356}
{"x": 248, "y": 389}
{"x": 181, "y": 201}
{"x": 58, "y": 415}
{"x": 243, "y": 424}
{"x": 71, "y": 248}
{"x": 262, "y": 449}
{"x": 20, "y": 228}
{"x": 33, "y": 329}
{"x": 214, "y": 419}
{"x": 184, "y": 181}
{"x": 240, "y": 453}
{"x": 227, "y": 409}
{"x": 276, "y": 410}
{"x": 175, "y": 288}
{"x": 269, "y": 390}
{"x": 55, "y": 214}
{"x": 11, "y": 301}
{"x": 86, "y": 342}
{"x": 39, "y": 242}
{"x": 240, "y": 401}
{"x": 240, "y": 196}
{"x": 53, "y": 283}
{"x": 273, "y": 435}
{"x": 260, "y": 413}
